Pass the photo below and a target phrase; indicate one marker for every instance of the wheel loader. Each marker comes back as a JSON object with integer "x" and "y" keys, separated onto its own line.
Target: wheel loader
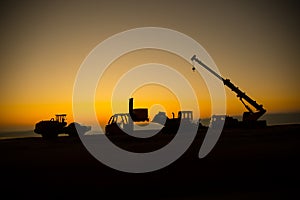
{"x": 50, "y": 129}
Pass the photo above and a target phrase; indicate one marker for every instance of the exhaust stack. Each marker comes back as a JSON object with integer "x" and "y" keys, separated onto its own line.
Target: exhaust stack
{"x": 138, "y": 114}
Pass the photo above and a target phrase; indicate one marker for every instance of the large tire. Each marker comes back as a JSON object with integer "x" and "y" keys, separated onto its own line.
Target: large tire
{"x": 49, "y": 136}
{"x": 71, "y": 130}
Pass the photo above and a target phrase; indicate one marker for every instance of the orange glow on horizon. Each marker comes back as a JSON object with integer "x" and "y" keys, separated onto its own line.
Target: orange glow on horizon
{"x": 42, "y": 50}
{"x": 155, "y": 97}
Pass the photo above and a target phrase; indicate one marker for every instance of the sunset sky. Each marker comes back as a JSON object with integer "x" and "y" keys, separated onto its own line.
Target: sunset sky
{"x": 43, "y": 44}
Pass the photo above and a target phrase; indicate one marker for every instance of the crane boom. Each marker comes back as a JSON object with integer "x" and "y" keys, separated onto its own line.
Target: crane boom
{"x": 248, "y": 116}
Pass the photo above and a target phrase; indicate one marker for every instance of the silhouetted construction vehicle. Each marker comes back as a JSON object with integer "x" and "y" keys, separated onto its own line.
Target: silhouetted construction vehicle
{"x": 171, "y": 125}
{"x": 124, "y": 122}
{"x": 119, "y": 123}
{"x": 250, "y": 118}
{"x": 53, "y": 127}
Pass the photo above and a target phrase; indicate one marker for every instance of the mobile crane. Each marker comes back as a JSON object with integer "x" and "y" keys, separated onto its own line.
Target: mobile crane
{"x": 250, "y": 118}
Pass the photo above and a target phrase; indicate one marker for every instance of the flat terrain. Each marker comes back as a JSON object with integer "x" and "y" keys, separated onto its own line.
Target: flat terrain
{"x": 245, "y": 164}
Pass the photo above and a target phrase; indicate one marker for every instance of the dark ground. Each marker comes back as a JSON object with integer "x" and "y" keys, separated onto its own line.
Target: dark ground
{"x": 245, "y": 164}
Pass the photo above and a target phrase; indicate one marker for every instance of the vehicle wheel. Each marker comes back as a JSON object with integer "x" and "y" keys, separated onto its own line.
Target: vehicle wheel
{"x": 49, "y": 136}
{"x": 73, "y": 134}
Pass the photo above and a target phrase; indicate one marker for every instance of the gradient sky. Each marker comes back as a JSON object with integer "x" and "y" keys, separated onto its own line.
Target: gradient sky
{"x": 43, "y": 43}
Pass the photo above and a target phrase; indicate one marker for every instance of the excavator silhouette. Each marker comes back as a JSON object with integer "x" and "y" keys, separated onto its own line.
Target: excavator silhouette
{"x": 250, "y": 117}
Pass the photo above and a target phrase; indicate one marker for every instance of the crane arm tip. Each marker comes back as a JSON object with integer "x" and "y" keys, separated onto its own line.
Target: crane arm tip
{"x": 193, "y": 58}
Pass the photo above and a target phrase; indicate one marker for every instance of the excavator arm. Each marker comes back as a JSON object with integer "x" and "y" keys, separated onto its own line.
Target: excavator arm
{"x": 247, "y": 116}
